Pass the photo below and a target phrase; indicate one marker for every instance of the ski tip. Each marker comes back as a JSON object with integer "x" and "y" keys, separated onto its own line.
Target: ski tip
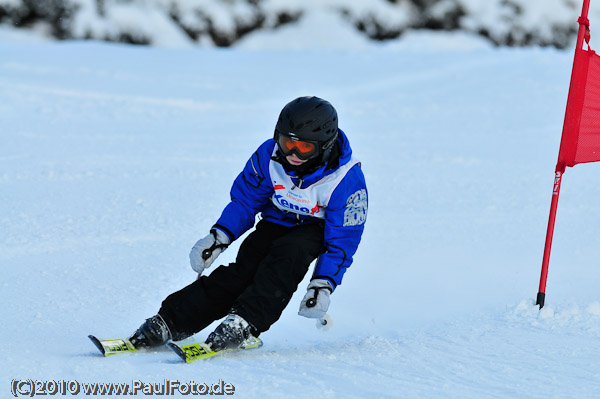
{"x": 97, "y": 343}
{"x": 175, "y": 348}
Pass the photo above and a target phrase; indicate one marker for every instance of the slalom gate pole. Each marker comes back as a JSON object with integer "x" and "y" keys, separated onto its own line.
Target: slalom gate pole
{"x": 560, "y": 168}
{"x": 541, "y": 296}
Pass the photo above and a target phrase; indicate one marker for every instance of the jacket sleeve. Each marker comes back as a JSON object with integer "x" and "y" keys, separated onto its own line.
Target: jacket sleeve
{"x": 344, "y": 224}
{"x": 250, "y": 194}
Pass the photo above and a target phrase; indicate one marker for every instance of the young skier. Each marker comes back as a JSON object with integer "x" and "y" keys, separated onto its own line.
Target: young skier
{"x": 312, "y": 196}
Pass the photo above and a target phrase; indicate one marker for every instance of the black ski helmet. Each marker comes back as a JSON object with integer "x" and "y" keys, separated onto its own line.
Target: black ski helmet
{"x": 310, "y": 119}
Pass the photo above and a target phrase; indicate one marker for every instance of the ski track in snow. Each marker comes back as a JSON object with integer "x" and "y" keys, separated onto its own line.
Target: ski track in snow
{"x": 115, "y": 160}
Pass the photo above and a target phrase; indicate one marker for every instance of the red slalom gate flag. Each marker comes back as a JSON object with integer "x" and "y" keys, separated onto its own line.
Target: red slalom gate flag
{"x": 580, "y": 140}
{"x": 581, "y": 131}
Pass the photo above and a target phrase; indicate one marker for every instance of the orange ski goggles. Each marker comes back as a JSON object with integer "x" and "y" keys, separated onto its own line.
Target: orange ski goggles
{"x": 303, "y": 149}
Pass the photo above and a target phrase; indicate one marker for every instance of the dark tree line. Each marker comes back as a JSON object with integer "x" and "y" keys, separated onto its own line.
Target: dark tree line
{"x": 60, "y": 17}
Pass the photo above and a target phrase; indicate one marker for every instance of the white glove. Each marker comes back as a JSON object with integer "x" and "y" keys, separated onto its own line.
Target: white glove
{"x": 316, "y": 301}
{"x": 205, "y": 251}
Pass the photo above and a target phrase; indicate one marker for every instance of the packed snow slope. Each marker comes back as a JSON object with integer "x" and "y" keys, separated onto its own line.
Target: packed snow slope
{"x": 114, "y": 160}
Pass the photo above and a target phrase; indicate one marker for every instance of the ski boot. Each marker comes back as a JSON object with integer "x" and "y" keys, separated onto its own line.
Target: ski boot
{"x": 153, "y": 332}
{"x": 231, "y": 333}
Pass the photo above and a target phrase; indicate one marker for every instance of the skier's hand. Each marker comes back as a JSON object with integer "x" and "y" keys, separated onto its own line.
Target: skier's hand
{"x": 316, "y": 301}
{"x": 205, "y": 251}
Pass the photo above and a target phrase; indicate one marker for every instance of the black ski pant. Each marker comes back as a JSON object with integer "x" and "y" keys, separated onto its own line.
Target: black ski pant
{"x": 270, "y": 264}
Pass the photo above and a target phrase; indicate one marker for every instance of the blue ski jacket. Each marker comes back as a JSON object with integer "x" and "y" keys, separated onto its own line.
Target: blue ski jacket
{"x": 337, "y": 197}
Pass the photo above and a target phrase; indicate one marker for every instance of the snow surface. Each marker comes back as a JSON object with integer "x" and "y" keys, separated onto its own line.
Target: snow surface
{"x": 116, "y": 159}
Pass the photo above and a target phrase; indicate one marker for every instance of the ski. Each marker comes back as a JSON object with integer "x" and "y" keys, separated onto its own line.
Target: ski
{"x": 187, "y": 353}
{"x": 191, "y": 353}
{"x": 110, "y": 347}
